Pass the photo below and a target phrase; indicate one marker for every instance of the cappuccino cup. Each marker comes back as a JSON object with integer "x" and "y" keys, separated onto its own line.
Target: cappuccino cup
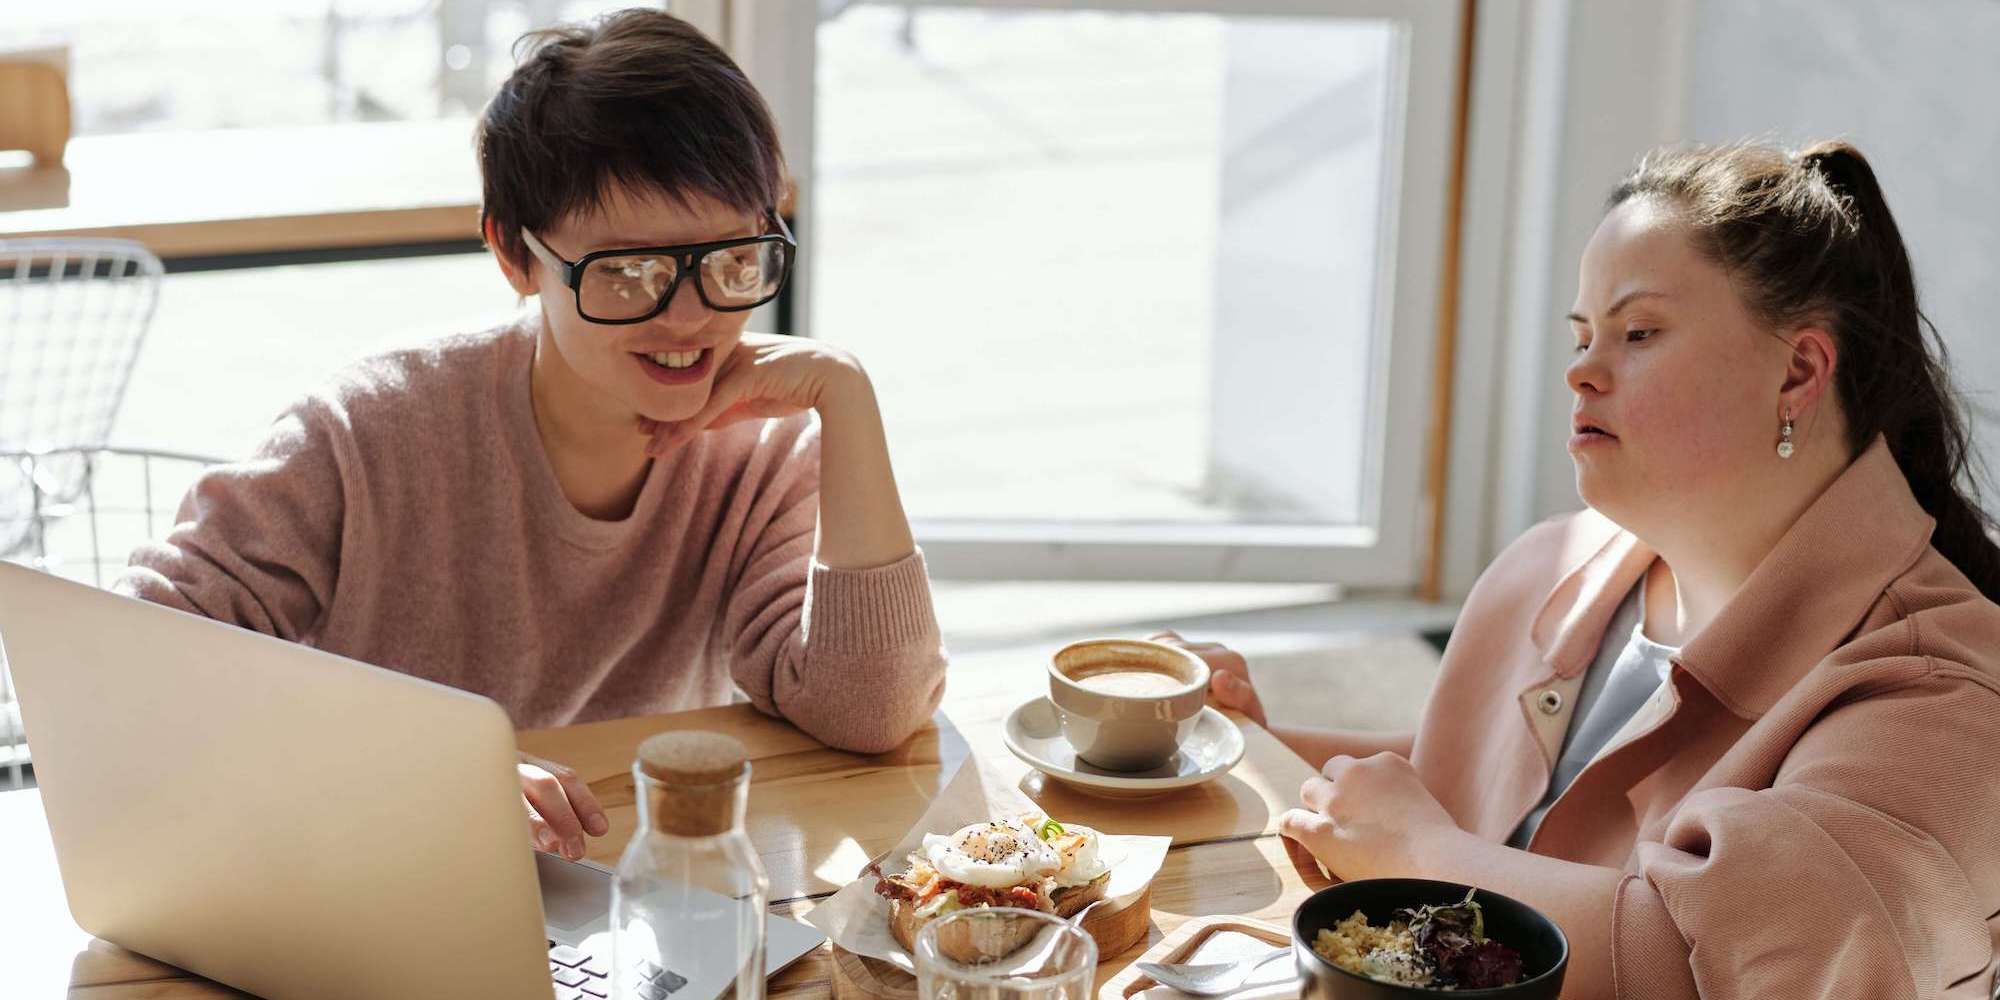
{"x": 1126, "y": 704}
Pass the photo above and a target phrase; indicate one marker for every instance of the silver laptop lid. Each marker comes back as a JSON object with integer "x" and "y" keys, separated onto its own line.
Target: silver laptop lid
{"x": 277, "y": 818}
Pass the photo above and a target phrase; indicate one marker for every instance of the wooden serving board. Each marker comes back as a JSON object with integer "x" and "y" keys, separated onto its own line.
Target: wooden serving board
{"x": 1183, "y": 943}
{"x": 858, "y": 977}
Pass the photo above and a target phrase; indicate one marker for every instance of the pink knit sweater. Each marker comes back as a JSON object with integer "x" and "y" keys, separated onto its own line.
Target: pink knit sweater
{"x": 408, "y": 517}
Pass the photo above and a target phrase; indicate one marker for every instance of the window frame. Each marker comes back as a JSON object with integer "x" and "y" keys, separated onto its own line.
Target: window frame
{"x": 1387, "y": 548}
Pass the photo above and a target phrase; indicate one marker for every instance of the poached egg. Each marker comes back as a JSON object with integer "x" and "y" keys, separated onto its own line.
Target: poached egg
{"x": 1004, "y": 853}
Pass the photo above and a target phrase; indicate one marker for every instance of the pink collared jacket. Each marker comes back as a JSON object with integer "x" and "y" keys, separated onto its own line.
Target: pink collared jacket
{"x": 1810, "y": 807}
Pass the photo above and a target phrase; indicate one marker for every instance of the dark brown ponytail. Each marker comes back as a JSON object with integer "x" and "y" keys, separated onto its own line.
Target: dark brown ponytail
{"x": 1809, "y": 238}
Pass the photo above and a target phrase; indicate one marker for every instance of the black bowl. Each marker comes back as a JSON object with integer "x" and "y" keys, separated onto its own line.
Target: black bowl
{"x": 1544, "y": 950}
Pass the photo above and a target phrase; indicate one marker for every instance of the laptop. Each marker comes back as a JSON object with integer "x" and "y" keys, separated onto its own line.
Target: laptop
{"x": 296, "y": 824}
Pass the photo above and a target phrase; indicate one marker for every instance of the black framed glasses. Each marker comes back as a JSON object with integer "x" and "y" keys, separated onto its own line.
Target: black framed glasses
{"x": 635, "y": 284}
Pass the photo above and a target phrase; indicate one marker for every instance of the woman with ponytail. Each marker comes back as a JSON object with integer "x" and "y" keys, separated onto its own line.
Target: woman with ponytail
{"x": 1736, "y": 726}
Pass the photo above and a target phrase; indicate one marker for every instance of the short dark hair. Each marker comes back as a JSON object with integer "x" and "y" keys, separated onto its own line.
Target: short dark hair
{"x": 637, "y": 97}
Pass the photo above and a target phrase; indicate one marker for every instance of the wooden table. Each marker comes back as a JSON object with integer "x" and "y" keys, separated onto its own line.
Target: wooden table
{"x": 256, "y": 191}
{"x": 816, "y": 816}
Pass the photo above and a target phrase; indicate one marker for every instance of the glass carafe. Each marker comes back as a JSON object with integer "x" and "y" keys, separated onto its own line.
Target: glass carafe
{"x": 688, "y": 905}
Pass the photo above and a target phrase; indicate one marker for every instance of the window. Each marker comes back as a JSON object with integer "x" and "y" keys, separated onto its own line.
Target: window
{"x": 137, "y": 67}
{"x": 1147, "y": 290}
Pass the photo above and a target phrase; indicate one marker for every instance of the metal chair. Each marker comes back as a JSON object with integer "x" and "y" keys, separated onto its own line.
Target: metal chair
{"x": 129, "y": 488}
{"x": 13, "y": 739}
{"x": 73, "y": 315}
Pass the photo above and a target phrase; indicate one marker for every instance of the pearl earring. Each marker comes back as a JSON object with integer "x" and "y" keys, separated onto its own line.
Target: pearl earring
{"x": 1785, "y": 437}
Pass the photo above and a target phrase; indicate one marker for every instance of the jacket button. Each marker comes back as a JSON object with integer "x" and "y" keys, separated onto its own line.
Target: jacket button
{"x": 1550, "y": 702}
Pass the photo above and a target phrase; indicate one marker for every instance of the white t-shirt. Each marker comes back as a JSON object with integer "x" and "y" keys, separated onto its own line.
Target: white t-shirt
{"x": 1628, "y": 669}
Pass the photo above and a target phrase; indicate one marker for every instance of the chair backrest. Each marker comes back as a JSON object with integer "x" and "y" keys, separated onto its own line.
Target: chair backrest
{"x": 73, "y": 315}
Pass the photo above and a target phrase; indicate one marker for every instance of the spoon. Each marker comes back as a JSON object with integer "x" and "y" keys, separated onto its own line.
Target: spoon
{"x": 1214, "y": 978}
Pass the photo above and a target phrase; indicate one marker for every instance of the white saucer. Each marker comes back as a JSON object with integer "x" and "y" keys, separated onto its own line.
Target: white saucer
{"x": 1034, "y": 734}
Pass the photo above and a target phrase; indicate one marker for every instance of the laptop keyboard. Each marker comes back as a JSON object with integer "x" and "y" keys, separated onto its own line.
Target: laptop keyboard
{"x": 580, "y": 975}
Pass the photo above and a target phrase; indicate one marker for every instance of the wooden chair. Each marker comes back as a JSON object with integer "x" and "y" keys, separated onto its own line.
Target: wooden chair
{"x": 34, "y": 108}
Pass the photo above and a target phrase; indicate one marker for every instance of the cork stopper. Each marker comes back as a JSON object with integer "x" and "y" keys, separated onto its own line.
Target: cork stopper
{"x": 700, "y": 774}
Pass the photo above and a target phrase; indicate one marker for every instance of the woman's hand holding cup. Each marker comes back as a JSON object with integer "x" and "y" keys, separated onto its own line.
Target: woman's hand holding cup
{"x": 1229, "y": 675}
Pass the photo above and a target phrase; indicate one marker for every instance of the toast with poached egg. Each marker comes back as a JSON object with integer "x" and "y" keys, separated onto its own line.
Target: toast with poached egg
{"x": 1030, "y": 863}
